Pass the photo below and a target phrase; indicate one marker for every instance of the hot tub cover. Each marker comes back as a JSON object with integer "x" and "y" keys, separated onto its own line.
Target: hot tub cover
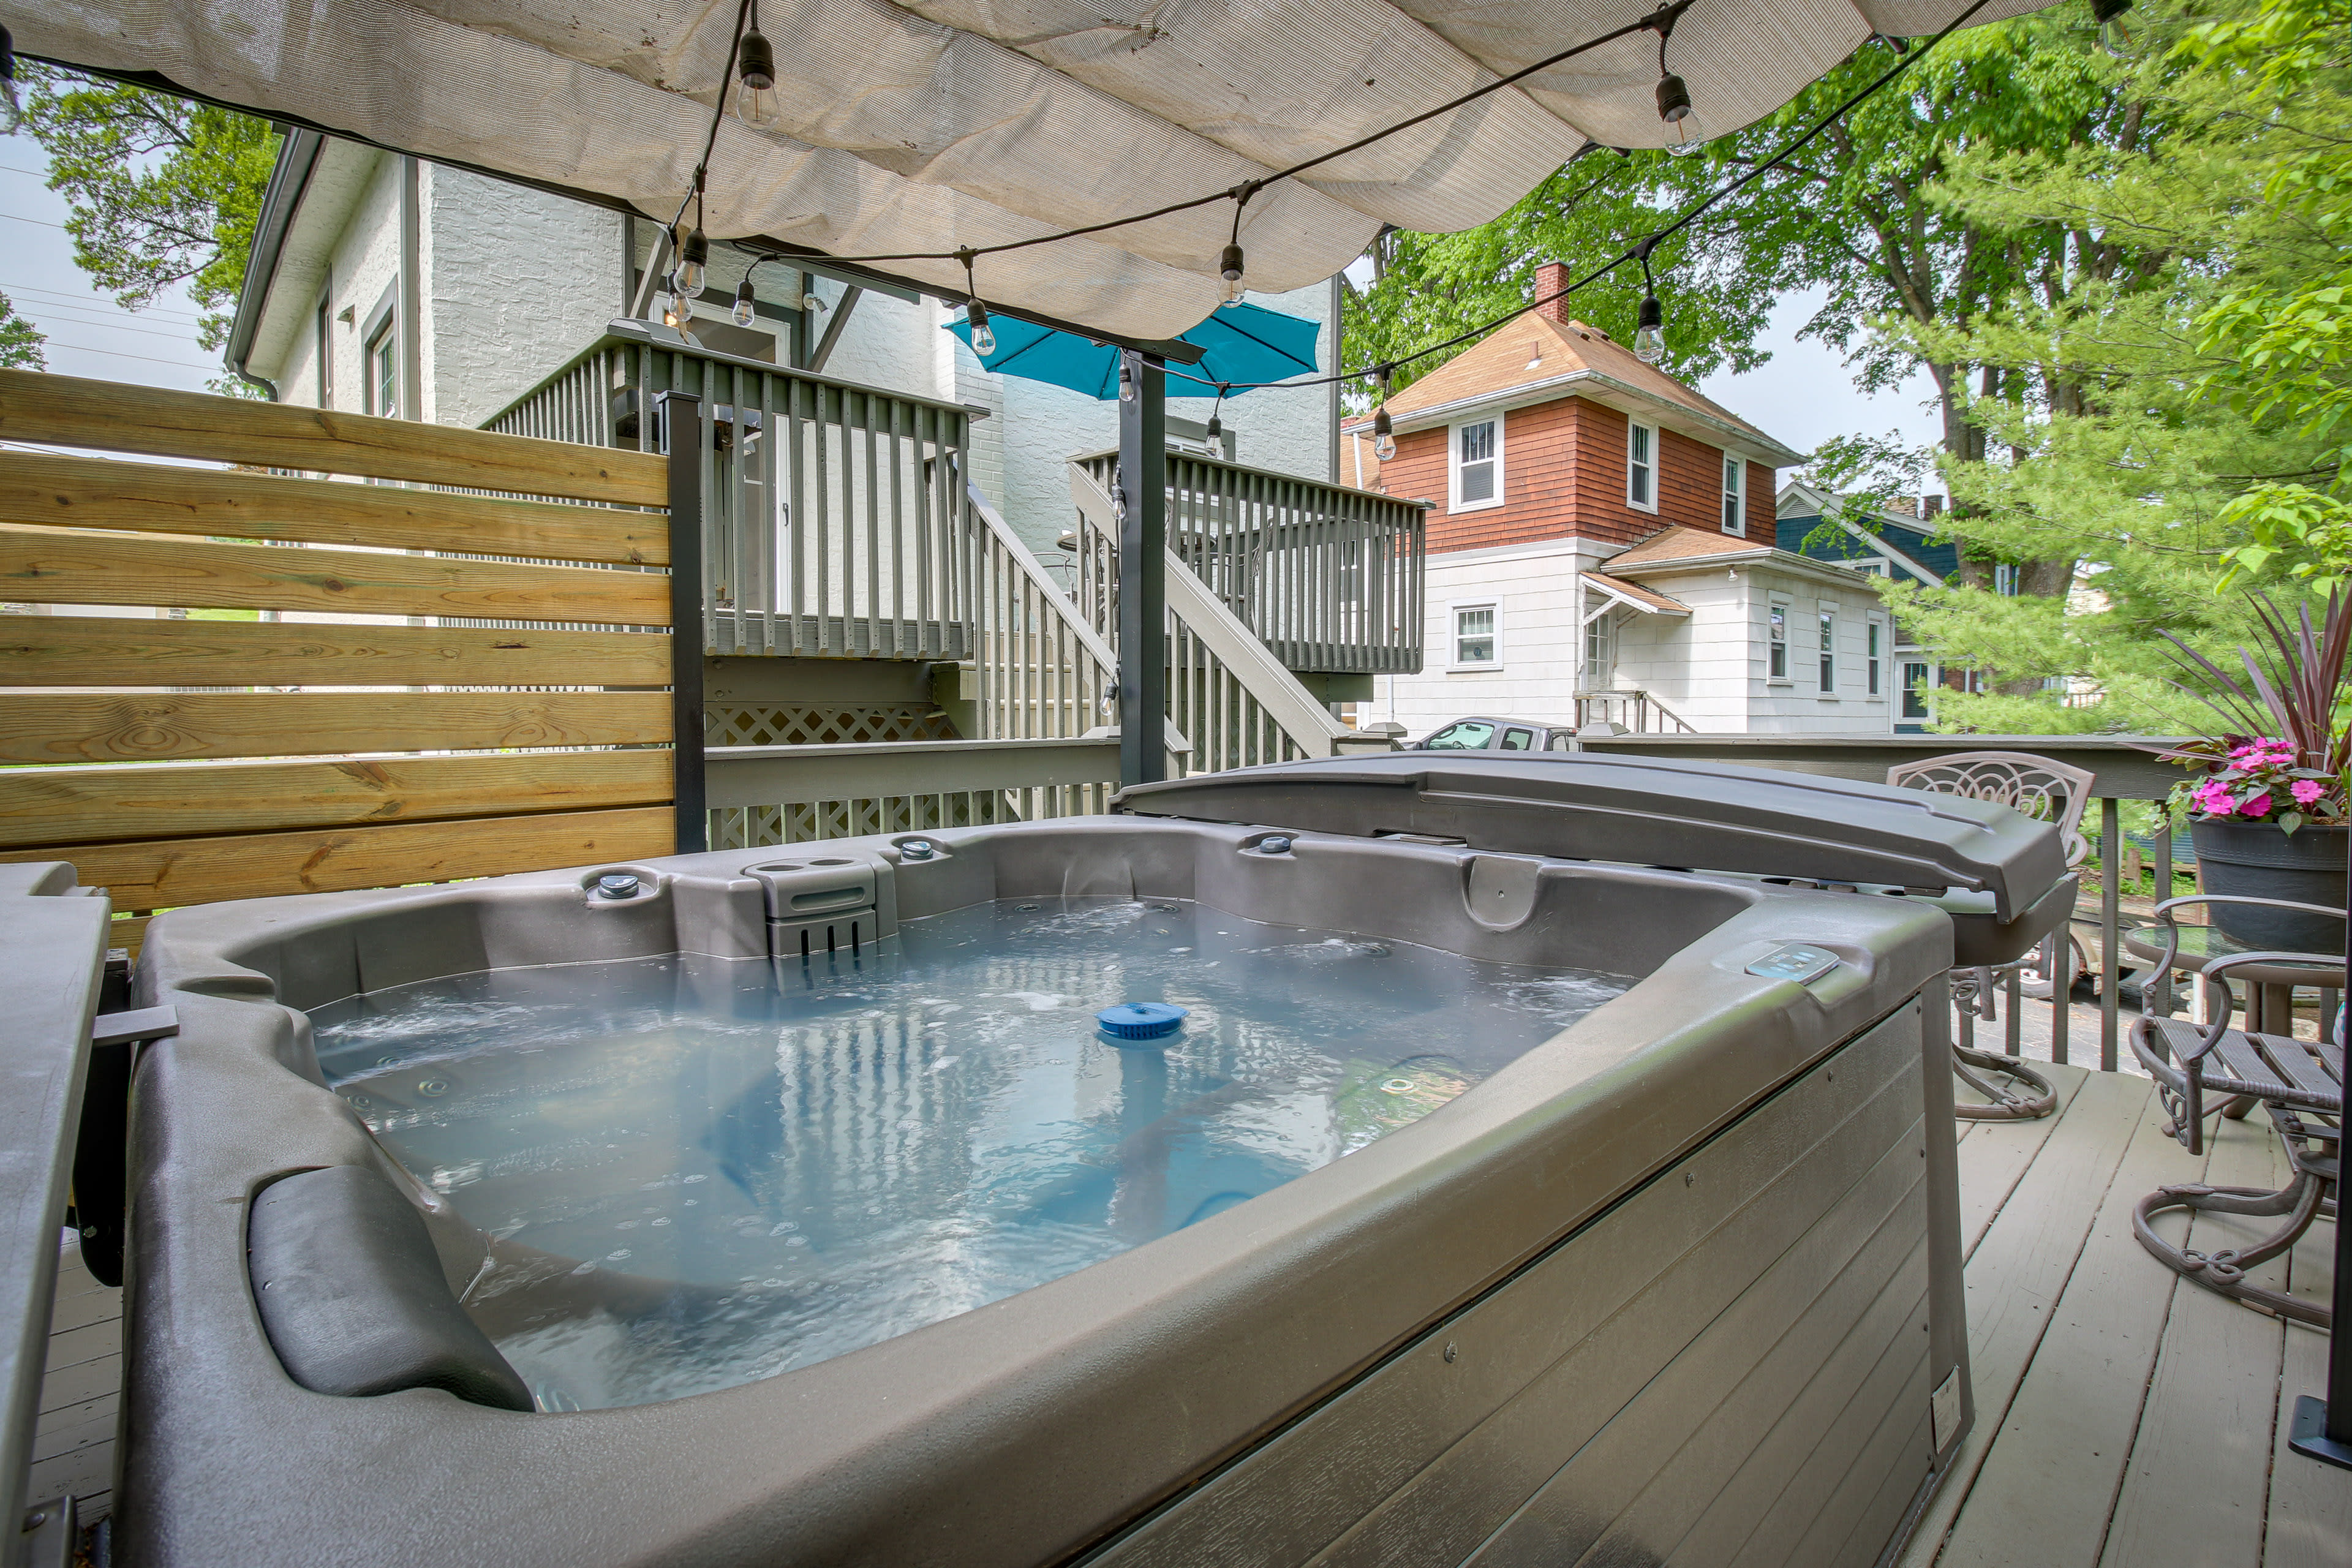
{"x": 1698, "y": 815}
{"x": 935, "y": 123}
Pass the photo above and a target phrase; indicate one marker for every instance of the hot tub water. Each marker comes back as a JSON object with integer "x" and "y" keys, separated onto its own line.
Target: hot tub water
{"x": 700, "y": 1173}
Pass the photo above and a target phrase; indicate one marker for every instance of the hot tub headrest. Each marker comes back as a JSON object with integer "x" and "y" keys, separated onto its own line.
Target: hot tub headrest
{"x": 1700, "y": 815}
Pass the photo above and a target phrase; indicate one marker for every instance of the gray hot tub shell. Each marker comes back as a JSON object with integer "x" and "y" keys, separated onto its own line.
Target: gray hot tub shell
{"x": 1682, "y": 1284}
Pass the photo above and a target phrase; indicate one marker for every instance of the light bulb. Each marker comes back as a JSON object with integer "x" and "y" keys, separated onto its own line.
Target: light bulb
{"x": 1216, "y": 428}
{"x": 755, "y": 94}
{"x": 746, "y": 311}
{"x": 1126, "y": 379}
{"x": 1383, "y": 435}
{"x": 811, "y": 302}
{"x": 676, "y": 310}
{"x": 1229, "y": 268}
{"x": 1674, "y": 109}
{"x": 1650, "y": 337}
{"x": 693, "y": 265}
{"x": 2113, "y": 35}
{"x": 983, "y": 336}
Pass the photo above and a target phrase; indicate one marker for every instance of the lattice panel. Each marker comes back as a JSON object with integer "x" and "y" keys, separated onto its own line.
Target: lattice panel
{"x": 756, "y": 827}
{"x": 796, "y": 725}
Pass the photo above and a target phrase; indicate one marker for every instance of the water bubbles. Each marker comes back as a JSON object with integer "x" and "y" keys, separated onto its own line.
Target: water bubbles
{"x": 626, "y": 1224}
{"x": 796, "y": 1241}
{"x": 433, "y": 1088}
{"x": 785, "y": 1229}
{"x": 691, "y": 1180}
{"x": 617, "y": 1256}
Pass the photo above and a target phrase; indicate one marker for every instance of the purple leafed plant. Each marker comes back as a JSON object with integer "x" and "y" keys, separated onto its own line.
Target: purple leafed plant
{"x": 2281, "y": 753}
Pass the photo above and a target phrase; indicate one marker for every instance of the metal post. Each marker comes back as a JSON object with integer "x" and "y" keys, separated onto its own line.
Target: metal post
{"x": 2110, "y": 870}
{"x": 2323, "y": 1423}
{"x": 688, "y": 440}
{"x": 1143, "y": 577}
{"x": 2161, "y": 1004}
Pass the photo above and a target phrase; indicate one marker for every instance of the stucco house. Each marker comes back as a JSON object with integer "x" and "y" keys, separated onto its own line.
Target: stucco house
{"x": 391, "y": 285}
{"x": 1602, "y": 549}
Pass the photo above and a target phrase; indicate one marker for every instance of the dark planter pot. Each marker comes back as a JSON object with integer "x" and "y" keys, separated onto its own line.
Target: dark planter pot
{"x": 2258, "y": 860}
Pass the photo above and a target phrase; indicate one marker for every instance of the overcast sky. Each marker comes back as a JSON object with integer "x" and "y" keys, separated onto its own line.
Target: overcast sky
{"x": 1804, "y": 394}
{"x": 88, "y": 334}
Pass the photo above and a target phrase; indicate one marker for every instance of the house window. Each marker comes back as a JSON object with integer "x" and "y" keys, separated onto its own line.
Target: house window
{"x": 1917, "y": 676}
{"x": 2004, "y": 579}
{"x": 1735, "y": 516}
{"x": 1599, "y": 650}
{"x": 326, "y": 355}
{"x": 1776, "y": 643}
{"x": 1473, "y": 636}
{"x": 1477, "y": 465}
{"x": 1642, "y": 467}
{"x": 1829, "y": 651}
{"x": 383, "y": 371}
{"x": 1876, "y": 632}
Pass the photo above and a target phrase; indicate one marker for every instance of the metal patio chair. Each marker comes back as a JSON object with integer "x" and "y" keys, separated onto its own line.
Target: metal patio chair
{"x": 2052, "y": 791}
{"x": 2201, "y": 1069}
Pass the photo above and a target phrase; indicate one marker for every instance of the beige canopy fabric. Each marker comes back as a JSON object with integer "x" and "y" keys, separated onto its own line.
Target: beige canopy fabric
{"x": 937, "y": 123}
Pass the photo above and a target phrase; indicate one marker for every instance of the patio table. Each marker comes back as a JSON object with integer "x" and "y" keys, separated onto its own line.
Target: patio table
{"x": 2270, "y": 998}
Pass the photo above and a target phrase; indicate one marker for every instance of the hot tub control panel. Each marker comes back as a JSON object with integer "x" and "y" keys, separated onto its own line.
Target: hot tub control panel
{"x": 1796, "y": 960}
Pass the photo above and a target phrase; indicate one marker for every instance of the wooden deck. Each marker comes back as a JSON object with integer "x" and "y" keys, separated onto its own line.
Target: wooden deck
{"x": 2126, "y": 1418}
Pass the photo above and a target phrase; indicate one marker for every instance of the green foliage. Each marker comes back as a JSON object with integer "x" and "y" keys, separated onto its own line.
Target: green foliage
{"x": 20, "y": 342}
{"x": 162, "y": 190}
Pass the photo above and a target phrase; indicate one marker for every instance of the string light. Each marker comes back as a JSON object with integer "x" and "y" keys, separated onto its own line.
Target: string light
{"x": 1217, "y": 430}
{"x": 2113, "y": 35}
{"x": 1649, "y": 333}
{"x": 1126, "y": 377}
{"x": 1673, "y": 92}
{"x": 983, "y": 336}
{"x": 693, "y": 252}
{"x": 1229, "y": 268}
{"x": 746, "y": 308}
{"x": 755, "y": 91}
{"x": 1383, "y": 433}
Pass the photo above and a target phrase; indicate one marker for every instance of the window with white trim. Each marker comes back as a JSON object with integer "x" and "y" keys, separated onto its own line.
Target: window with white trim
{"x": 1734, "y": 513}
{"x": 383, "y": 371}
{"x": 1874, "y": 682}
{"x": 1478, "y": 467}
{"x": 1919, "y": 680}
{"x": 1829, "y": 652}
{"x": 2004, "y": 579}
{"x": 1600, "y": 650}
{"x": 1476, "y": 643}
{"x": 1776, "y": 641}
{"x": 1642, "y": 465}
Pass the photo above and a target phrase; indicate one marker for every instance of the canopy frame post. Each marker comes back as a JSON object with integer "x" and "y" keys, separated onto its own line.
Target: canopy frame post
{"x": 1142, "y": 496}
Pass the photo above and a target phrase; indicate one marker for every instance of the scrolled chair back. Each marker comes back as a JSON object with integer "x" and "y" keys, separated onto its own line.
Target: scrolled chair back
{"x": 2049, "y": 791}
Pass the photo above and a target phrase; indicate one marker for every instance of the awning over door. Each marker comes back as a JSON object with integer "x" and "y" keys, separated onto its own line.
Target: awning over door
{"x": 941, "y": 124}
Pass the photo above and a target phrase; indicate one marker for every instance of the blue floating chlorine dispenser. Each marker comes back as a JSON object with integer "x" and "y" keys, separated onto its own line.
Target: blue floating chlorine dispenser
{"x": 1136, "y": 1023}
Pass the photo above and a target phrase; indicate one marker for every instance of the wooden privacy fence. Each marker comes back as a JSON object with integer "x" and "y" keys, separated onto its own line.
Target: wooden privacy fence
{"x": 238, "y": 683}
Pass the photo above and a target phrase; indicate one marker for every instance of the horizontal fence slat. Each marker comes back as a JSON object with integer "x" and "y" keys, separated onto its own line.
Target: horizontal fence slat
{"x": 175, "y": 872}
{"x": 38, "y": 727}
{"x": 83, "y": 805}
{"x": 67, "y": 410}
{"x": 117, "y": 650}
{"x": 60, "y": 566}
{"x": 59, "y": 492}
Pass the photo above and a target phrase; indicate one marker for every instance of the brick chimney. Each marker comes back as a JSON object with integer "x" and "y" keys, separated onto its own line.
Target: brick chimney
{"x": 1934, "y": 508}
{"x": 1551, "y": 278}
{"x": 1903, "y": 506}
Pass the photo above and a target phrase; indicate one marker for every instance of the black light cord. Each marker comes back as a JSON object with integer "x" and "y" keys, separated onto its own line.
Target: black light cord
{"x": 1240, "y": 195}
{"x": 1639, "y": 250}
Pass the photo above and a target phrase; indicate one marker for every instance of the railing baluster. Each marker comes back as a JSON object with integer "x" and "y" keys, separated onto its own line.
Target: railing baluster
{"x": 2110, "y": 969}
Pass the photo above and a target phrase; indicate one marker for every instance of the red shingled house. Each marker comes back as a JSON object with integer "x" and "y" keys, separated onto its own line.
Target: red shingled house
{"x": 1600, "y": 548}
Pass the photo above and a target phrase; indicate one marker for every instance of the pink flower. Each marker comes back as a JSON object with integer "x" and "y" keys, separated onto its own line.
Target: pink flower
{"x": 2260, "y": 805}
{"x": 2213, "y": 798}
{"x": 2307, "y": 791}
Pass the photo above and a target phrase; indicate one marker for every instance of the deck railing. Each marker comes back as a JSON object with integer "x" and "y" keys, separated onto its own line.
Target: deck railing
{"x": 1231, "y": 695}
{"x": 2125, "y": 768}
{"x": 836, "y": 525}
{"x": 1329, "y": 578}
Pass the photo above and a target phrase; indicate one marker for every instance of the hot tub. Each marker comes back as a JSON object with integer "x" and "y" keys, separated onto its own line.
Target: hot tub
{"x": 1496, "y": 1196}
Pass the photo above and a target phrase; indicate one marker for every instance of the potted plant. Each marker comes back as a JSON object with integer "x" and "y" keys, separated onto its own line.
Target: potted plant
{"x": 2269, "y": 815}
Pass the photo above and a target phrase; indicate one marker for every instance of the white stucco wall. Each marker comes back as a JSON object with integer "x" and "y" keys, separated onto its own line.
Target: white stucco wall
{"x": 515, "y": 282}
{"x": 362, "y": 262}
{"x": 1533, "y": 588}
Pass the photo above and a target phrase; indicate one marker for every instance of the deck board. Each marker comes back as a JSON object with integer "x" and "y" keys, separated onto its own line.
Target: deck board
{"x": 73, "y": 1443}
{"x": 2126, "y": 1418}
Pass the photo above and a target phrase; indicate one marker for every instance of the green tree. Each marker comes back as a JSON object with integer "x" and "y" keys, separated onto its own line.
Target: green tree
{"x": 162, "y": 190}
{"x": 2134, "y": 414}
{"x": 20, "y": 341}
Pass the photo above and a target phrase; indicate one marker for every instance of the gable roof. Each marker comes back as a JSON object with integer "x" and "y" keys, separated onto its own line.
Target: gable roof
{"x": 1534, "y": 359}
{"x": 1677, "y": 544}
{"x": 1903, "y": 541}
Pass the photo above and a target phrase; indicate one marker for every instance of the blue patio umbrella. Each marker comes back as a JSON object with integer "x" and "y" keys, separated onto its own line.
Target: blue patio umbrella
{"x": 1238, "y": 344}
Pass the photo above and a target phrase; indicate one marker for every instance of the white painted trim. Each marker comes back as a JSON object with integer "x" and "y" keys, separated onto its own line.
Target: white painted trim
{"x": 1454, "y": 626}
{"x": 1453, "y": 502}
{"x": 1734, "y": 464}
{"x": 1651, "y": 506}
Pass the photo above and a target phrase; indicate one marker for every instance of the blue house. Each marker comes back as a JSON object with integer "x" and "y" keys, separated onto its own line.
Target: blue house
{"x": 1890, "y": 545}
